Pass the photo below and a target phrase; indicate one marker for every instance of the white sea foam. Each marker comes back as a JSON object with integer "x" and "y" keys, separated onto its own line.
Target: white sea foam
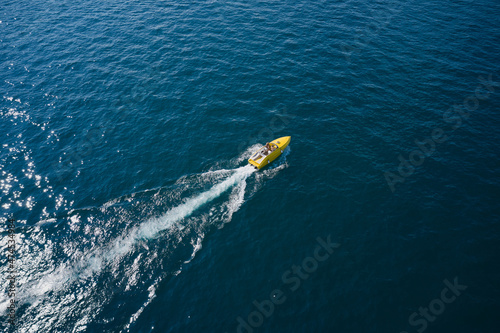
{"x": 62, "y": 286}
{"x": 152, "y": 227}
{"x": 85, "y": 265}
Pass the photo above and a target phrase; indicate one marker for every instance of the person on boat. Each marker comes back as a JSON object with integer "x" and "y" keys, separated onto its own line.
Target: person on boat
{"x": 268, "y": 147}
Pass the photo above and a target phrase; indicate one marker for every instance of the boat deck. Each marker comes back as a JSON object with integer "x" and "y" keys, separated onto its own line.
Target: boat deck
{"x": 259, "y": 156}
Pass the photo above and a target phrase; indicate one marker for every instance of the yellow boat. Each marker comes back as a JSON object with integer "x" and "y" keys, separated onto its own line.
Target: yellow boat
{"x": 269, "y": 153}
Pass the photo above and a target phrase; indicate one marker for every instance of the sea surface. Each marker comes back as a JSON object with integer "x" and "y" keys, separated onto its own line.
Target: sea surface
{"x": 125, "y": 131}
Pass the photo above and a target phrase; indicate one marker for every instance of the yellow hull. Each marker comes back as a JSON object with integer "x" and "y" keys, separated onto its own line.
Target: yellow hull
{"x": 263, "y": 157}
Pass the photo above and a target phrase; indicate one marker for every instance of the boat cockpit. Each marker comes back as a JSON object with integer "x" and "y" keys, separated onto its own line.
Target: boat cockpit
{"x": 264, "y": 151}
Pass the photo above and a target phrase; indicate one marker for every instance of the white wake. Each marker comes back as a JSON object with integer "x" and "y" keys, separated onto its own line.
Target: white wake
{"x": 50, "y": 284}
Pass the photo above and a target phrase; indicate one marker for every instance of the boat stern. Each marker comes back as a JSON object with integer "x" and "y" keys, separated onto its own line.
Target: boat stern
{"x": 255, "y": 164}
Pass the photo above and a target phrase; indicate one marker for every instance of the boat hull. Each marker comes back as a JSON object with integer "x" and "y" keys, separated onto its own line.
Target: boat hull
{"x": 260, "y": 160}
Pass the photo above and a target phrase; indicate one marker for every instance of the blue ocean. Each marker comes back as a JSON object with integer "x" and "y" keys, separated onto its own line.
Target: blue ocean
{"x": 128, "y": 204}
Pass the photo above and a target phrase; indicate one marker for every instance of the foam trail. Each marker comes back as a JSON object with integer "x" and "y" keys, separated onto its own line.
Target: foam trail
{"x": 95, "y": 260}
{"x": 151, "y": 228}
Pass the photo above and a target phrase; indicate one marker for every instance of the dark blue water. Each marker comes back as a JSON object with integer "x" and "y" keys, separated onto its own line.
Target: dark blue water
{"x": 126, "y": 126}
